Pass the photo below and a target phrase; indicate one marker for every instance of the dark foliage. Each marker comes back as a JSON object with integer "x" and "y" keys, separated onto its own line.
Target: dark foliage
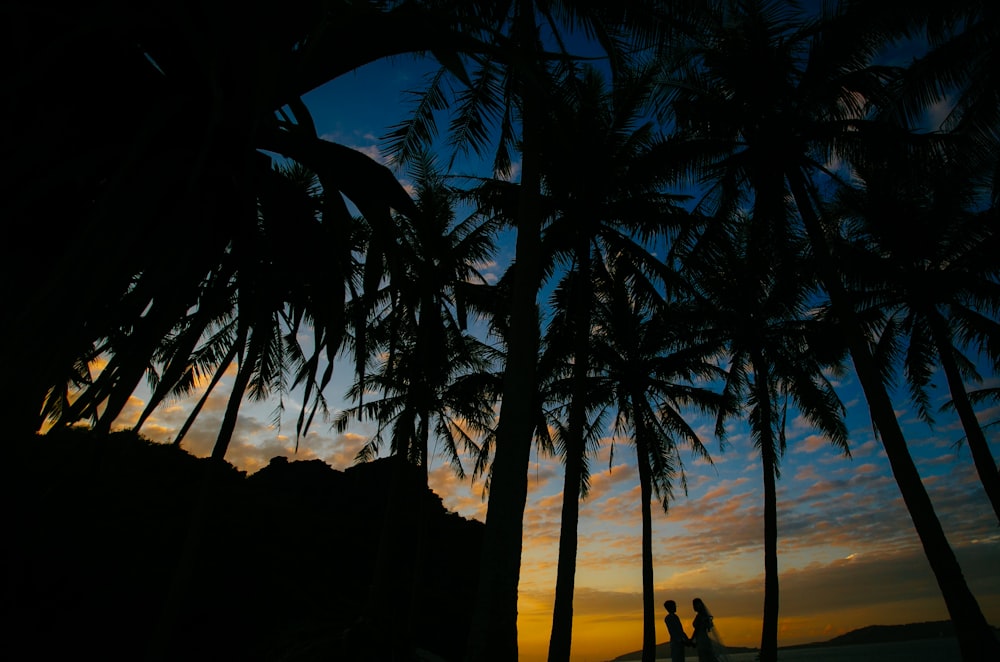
{"x": 96, "y": 527}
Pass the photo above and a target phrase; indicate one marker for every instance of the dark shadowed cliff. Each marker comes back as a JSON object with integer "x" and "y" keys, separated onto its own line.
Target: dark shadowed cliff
{"x": 120, "y": 549}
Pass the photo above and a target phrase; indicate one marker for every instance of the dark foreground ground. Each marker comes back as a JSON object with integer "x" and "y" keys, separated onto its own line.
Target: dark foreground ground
{"x": 120, "y": 549}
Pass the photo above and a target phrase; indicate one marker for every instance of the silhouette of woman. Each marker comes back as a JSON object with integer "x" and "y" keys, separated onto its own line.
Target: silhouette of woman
{"x": 706, "y": 639}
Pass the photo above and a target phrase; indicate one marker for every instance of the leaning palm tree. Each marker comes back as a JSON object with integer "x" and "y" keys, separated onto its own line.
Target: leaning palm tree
{"x": 193, "y": 349}
{"x": 280, "y": 274}
{"x": 936, "y": 284}
{"x": 656, "y": 379}
{"x": 253, "y": 297}
{"x": 180, "y": 169}
{"x": 770, "y": 99}
{"x": 758, "y": 309}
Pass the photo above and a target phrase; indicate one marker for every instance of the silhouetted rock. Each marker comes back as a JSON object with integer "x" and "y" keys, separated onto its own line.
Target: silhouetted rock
{"x": 878, "y": 634}
{"x": 276, "y": 565}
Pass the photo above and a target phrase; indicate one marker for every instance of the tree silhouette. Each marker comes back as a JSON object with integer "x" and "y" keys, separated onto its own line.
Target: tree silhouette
{"x": 935, "y": 284}
{"x": 433, "y": 377}
{"x": 603, "y": 181}
{"x": 758, "y": 308}
{"x": 772, "y": 98}
{"x": 656, "y": 379}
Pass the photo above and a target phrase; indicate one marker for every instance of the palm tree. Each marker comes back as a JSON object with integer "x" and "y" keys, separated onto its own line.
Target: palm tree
{"x": 103, "y": 398}
{"x": 256, "y": 298}
{"x": 956, "y": 62}
{"x": 180, "y": 168}
{"x": 655, "y": 377}
{"x": 184, "y": 356}
{"x": 602, "y": 180}
{"x": 774, "y": 98}
{"x": 578, "y": 421}
{"x": 758, "y": 309}
{"x": 422, "y": 331}
{"x": 434, "y": 377}
{"x": 936, "y": 284}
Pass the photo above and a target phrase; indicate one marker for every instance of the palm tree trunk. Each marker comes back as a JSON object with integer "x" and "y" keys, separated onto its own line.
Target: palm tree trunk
{"x": 88, "y": 401}
{"x": 986, "y": 466}
{"x": 243, "y": 376}
{"x": 172, "y": 373}
{"x": 645, "y": 496}
{"x": 493, "y": 631}
{"x": 154, "y": 327}
{"x": 769, "y": 462}
{"x": 216, "y": 378}
{"x": 178, "y": 362}
{"x": 561, "y": 637}
{"x": 975, "y": 637}
{"x": 131, "y": 373}
{"x": 26, "y": 398}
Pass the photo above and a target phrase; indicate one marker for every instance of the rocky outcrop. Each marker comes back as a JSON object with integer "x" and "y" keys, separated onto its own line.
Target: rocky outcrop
{"x": 122, "y": 549}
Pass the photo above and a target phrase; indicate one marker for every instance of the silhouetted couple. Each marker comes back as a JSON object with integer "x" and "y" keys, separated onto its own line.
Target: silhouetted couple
{"x": 702, "y": 635}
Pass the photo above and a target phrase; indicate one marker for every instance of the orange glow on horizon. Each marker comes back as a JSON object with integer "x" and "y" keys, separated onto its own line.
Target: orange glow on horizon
{"x": 601, "y": 637}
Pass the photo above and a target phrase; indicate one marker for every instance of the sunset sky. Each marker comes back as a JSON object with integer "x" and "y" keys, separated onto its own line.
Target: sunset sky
{"x": 849, "y": 556}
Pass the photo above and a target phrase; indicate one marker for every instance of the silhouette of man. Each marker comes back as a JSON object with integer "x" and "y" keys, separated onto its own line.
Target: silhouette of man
{"x": 678, "y": 638}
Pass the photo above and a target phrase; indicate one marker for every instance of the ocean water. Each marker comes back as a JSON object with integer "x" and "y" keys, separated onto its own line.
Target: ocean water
{"x": 931, "y": 650}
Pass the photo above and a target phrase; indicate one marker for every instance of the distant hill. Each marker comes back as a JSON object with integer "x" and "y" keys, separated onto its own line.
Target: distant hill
{"x": 663, "y": 652}
{"x": 96, "y": 528}
{"x": 872, "y": 634}
{"x": 878, "y": 634}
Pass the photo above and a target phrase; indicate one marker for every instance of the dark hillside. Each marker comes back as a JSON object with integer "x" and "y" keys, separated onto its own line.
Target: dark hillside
{"x": 891, "y": 633}
{"x": 98, "y": 537}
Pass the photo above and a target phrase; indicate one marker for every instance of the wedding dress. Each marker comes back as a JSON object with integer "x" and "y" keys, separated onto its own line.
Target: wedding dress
{"x": 709, "y": 644}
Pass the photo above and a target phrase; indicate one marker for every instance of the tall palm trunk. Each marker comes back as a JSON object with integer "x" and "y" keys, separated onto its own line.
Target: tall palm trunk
{"x": 431, "y": 376}
{"x": 243, "y": 376}
{"x": 769, "y": 462}
{"x": 208, "y": 307}
{"x": 979, "y": 448}
{"x": 493, "y": 631}
{"x": 975, "y": 637}
{"x": 561, "y": 637}
{"x": 645, "y": 496}
{"x": 216, "y": 378}
{"x": 172, "y": 373}
{"x": 150, "y": 331}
